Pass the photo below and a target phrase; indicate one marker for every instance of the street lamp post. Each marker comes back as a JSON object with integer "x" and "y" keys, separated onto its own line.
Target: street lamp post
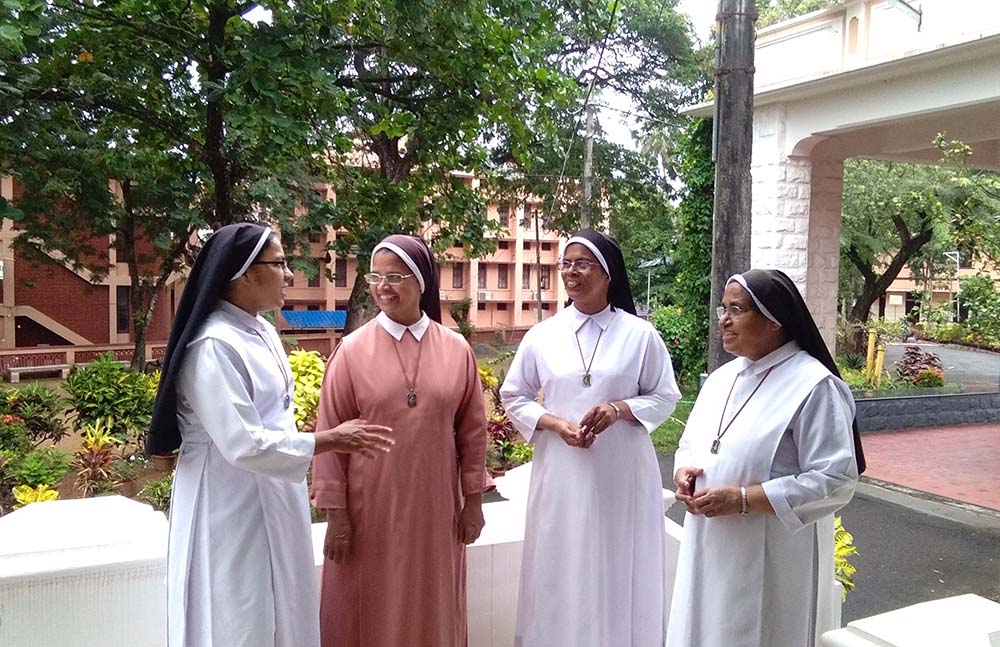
{"x": 955, "y": 256}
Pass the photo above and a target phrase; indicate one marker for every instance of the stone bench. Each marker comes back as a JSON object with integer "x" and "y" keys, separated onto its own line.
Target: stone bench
{"x": 13, "y": 373}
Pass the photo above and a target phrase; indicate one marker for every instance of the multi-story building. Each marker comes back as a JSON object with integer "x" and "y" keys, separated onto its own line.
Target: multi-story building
{"x": 51, "y": 305}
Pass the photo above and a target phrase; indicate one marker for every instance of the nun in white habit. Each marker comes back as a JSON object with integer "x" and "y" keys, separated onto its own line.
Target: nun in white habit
{"x": 769, "y": 454}
{"x": 592, "y": 570}
{"x": 240, "y": 562}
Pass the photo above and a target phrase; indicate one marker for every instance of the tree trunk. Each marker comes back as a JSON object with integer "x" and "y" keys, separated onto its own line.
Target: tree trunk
{"x": 734, "y": 121}
{"x": 361, "y": 308}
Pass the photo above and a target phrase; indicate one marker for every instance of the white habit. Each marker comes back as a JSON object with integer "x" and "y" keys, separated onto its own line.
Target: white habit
{"x": 762, "y": 580}
{"x": 240, "y": 567}
{"x": 592, "y": 570}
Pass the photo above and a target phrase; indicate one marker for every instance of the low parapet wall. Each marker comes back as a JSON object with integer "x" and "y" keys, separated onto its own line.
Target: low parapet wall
{"x": 921, "y": 411}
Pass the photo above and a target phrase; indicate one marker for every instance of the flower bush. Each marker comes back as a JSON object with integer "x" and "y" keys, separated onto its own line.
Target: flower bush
{"x": 307, "y": 370}
{"x": 39, "y": 467}
{"x": 504, "y": 448}
{"x": 25, "y": 494}
{"x": 95, "y": 462}
{"x": 915, "y": 364}
{"x": 929, "y": 377}
{"x": 108, "y": 392}
{"x": 38, "y": 408}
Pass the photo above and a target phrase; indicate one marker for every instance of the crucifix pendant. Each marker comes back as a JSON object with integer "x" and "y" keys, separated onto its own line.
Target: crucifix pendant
{"x": 586, "y": 379}
{"x": 411, "y": 399}
{"x": 288, "y": 401}
{"x": 715, "y": 446}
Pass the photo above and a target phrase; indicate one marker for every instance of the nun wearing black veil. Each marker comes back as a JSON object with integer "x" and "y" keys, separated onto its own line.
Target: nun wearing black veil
{"x": 769, "y": 454}
{"x": 240, "y": 562}
{"x": 593, "y": 563}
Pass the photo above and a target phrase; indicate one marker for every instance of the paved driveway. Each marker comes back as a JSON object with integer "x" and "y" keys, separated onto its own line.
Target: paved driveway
{"x": 975, "y": 370}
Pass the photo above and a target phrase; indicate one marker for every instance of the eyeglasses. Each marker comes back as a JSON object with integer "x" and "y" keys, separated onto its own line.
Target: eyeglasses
{"x": 580, "y": 264}
{"x": 280, "y": 263}
{"x": 392, "y": 278}
{"x": 733, "y": 311}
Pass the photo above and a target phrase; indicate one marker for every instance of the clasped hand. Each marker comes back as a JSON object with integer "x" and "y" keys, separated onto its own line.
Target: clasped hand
{"x": 711, "y": 502}
{"x": 584, "y": 433}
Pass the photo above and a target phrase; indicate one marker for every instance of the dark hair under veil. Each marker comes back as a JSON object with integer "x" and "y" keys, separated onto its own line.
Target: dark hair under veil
{"x": 779, "y": 295}
{"x": 224, "y": 256}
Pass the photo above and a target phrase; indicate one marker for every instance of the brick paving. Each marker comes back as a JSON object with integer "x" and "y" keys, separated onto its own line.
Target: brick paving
{"x": 961, "y": 462}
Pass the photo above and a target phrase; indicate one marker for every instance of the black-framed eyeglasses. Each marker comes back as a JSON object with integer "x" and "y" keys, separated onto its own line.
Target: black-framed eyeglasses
{"x": 282, "y": 263}
{"x": 733, "y": 311}
{"x": 392, "y": 278}
{"x": 581, "y": 264}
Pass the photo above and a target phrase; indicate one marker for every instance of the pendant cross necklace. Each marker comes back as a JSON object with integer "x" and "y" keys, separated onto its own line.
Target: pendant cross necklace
{"x": 587, "y": 365}
{"x": 722, "y": 432}
{"x": 411, "y": 387}
{"x": 282, "y": 367}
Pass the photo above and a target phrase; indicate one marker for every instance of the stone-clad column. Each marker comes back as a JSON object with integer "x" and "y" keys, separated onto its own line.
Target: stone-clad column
{"x": 796, "y": 216}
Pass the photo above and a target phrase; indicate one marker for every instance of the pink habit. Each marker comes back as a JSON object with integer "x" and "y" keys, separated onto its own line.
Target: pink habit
{"x": 405, "y": 581}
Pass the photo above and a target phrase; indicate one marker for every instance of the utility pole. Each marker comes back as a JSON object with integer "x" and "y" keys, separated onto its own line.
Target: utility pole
{"x": 588, "y": 161}
{"x": 538, "y": 264}
{"x": 733, "y": 126}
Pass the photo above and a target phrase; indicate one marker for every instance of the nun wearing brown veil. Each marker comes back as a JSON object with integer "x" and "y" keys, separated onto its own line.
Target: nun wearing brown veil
{"x": 769, "y": 454}
{"x": 397, "y": 527}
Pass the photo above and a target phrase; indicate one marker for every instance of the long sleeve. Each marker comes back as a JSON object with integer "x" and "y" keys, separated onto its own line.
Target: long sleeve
{"x": 216, "y": 386}
{"x": 470, "y": 432}
{"x": 658, "y": 392}
{"x": 519, "y": 393}
{"x": 828, "y": 472}
{"x": 336, "y": 405}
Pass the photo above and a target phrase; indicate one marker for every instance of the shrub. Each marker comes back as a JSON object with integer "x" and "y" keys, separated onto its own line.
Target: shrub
{"x": 25, "y": 494}
{"x": 40, "y": 467}
{"x": 307, "y": 370}
{"x": 843, "y": 543}
{"x": 854, "y": 361}
{"x": 915, "y": 361}
{"x": 95, "y": 462}
{"x": 108, "y": 392}
{"x": 39, "y": 408}
{"x": 679, "y": 331}
{"x": 929, "y": 377}
{"x": 157, "y": 493}
{"x": 14, "y": 437}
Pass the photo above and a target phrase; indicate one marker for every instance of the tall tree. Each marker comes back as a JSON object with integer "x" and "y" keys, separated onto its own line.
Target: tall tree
{"x": 773, "y": 11}
{"x": 201, "y": 117}
{"x": 898, "y": 214}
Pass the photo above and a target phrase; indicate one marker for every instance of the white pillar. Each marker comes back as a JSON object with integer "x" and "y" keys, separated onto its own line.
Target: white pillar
{"x": 796, "y": 216}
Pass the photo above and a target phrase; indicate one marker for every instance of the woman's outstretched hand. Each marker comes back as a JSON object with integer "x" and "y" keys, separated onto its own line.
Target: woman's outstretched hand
{"x": 355, "y": 437}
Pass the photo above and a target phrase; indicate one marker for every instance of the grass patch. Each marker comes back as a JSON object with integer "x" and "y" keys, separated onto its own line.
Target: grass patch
{"x": 667, "y": 435}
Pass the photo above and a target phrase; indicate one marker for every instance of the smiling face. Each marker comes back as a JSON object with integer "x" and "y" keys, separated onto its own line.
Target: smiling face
{"x": 267, "y": 277}
{"x": 401, "y": 303}
{"x": 588, "y": 289}
{"x": 750, "y": 334}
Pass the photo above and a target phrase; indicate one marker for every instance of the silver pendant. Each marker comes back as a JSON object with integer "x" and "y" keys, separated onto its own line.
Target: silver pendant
{"x": 288, "y": 401}
{"x": 411, "y": 399}
{"x": 715, "y": 446}
{"x": 586, "y": 379}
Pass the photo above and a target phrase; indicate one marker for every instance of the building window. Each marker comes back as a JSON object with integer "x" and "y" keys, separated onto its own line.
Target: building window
{"x": 482, "y": 277}
{"x": 525, "y": 306}
{"x": 545, "y": 277}
{"x": 503, "y": 244}
{"x": 502, "y": 277}
{"x": 340, "y": 272}
{"x": 314, "y": 280}
{"x": 501, "y": 306}
{"x": 545, "y": 306}
{"x": 480, "y": 306}
{"x": 456, "y": 276}
{"x": 526, "y": 245}
{"x": 316, "y": 237}
{"x": 313, "y": 307}
{"x": 124, "y": 293}
{"x": 503, "y": 214}
{"x": 546, "y": 247}
{"x": 526, "y": 278}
